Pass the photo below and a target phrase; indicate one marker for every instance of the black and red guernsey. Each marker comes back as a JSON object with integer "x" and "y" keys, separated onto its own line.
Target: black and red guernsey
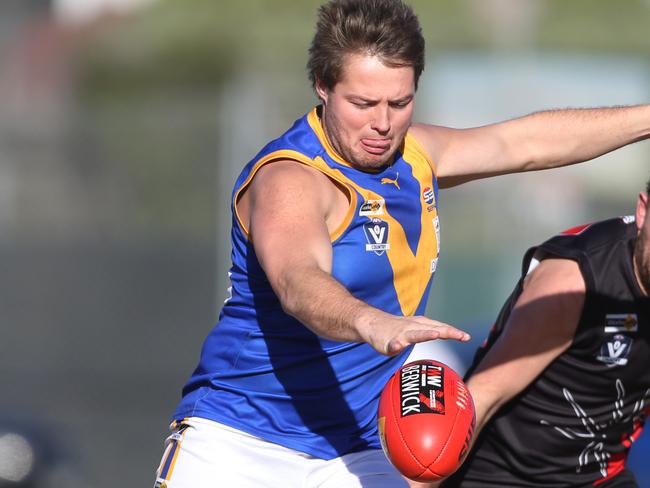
{"x": 573, "y": 426}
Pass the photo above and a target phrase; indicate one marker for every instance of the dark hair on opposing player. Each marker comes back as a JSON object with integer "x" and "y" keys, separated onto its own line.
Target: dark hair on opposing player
{"x": 388, "y": 29}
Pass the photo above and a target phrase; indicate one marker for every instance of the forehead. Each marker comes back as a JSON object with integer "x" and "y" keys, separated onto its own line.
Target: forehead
{"x": 367, "y": 76}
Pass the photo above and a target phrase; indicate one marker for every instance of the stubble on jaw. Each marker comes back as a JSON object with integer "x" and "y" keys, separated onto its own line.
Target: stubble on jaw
{"x": 335, "y": 139}
{"x": 641, "y": 261}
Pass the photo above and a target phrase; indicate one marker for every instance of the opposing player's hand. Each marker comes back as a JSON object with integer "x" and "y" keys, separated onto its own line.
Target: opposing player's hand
{"x": 390, "y": 334}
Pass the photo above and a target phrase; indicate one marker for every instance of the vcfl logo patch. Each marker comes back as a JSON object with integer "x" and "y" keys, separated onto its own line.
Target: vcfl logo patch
{"x": 615, "y": 350}
{"x": 377, "y": 236}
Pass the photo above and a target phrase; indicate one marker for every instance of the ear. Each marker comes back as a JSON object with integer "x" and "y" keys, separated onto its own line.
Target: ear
{"x": 641, "y": 209}
{"x": 323, "y": 93}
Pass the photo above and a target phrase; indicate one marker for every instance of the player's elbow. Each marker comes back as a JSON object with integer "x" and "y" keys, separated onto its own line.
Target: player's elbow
{"x": 488, "y": 400}
{"x": 289, "y": 287}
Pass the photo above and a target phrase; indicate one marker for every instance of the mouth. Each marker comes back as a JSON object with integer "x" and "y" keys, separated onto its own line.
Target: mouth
{"x": 375, "y": 146}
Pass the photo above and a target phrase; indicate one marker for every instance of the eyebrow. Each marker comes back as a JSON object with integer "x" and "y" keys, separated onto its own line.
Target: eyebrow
{"x": 363, "y": 99}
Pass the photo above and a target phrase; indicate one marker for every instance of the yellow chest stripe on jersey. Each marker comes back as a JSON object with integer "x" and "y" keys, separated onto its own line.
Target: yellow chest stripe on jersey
{"x": 411, "y": 272}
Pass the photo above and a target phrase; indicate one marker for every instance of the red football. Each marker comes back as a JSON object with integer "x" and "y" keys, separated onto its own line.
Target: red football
{"x": 426, "y": 420}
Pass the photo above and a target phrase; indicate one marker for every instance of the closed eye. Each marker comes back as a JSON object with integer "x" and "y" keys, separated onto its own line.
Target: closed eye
{"x": 363, "y": 104}
{"x": 400, "y": 103}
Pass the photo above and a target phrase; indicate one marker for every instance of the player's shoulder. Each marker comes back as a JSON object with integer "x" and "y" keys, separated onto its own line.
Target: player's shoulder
{"x": 432, "y": 138}
{"x": 578, "y": 242}
{"x": 288, "y": 182}
{"x": 283, "y": 174}
{"x": 594, "y": 235}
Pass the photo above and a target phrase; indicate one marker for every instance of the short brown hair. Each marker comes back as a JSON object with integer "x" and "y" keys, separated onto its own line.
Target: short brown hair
{"x": 388, "y": 29}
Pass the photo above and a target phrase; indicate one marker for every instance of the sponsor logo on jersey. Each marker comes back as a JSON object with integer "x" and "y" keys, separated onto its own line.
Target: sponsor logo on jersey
{"x": 377, "y": 236}
{"x": 229, "y": 289}
{"x": 621, "y": 322}
{"x": 436, "y": 226}
{"x": 615, "y": 350}
{"x": 389, "y": 181}
{"x": 372, "y": 207}
{"x": 422, "y": 389}
{"x": 434, "y": 265}
{"x": 429, "y": 196}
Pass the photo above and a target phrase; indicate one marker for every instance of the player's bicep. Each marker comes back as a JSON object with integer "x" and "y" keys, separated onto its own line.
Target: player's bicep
{"x": 463, "y": 155}
{"x": 287, "y": 210}
{"x": 541, "y": 326}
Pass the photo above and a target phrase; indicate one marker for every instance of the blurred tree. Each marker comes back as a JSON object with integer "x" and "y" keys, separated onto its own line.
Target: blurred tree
{"x": 598, "y": 26}
{"x": 149, "y": 84}
{"x": 195, "y": 44}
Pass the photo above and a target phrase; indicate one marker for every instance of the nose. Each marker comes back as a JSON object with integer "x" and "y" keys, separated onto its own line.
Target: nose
{"x": 381, "y": 119}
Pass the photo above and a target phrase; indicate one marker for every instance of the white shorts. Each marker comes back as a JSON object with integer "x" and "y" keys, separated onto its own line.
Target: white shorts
{"x": 201, "y": 453}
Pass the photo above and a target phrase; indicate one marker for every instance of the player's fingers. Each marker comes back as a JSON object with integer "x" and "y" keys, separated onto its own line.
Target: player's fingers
{"x": 446, "y": 331}
{"x": 435, "y": 330}
{"x": 395, "y": 346}
{"x": 450, "y": 332}
{"x": 408, "y": 337}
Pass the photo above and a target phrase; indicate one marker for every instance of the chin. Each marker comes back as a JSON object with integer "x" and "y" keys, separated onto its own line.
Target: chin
{"x": 374, "y": 162}
{"x": 371, "y": 164}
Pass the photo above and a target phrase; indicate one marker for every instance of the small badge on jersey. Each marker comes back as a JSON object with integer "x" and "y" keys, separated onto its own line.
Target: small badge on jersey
{"x": 615, "y": 350}
{"x": 372, "y": 207}
{"x": 429, "y": 197}
{"x": 621, "y": 322}
{"x": 376, "y": 232}
{"x": 422, "y": 389}
{"x": 434, "y": 265}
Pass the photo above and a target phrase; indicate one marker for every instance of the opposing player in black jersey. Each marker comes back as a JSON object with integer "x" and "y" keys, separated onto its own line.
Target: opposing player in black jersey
{"x": 562, "y": 385}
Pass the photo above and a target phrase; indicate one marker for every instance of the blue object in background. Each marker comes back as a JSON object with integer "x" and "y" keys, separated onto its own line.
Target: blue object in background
{"x": 638, "y": 460}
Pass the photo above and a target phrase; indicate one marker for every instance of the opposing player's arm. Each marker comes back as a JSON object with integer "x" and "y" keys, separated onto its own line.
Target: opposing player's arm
{"x": 541, "y": 140}
{"x": 290, "y": 209}
{"x": 541, "y": 326}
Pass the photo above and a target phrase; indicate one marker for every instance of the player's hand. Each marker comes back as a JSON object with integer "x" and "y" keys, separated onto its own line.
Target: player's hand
{"x": 390, "y": 334}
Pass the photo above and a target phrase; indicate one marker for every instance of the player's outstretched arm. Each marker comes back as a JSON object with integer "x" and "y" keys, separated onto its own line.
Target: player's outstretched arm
{"x": 289, "y": 210}
{"x": 541, "y": 140}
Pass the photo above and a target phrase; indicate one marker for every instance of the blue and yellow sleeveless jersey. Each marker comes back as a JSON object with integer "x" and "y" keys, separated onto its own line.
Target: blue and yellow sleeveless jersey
{"x": 263, "y": 372}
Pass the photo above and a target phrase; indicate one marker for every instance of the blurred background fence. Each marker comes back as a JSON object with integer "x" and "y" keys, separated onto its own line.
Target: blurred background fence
{"x": 123, "y": 124}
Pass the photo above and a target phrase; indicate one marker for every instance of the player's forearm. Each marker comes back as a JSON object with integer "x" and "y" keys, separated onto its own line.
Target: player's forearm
{"x": 538, "y": 141}
{"x": 489, "y": 396}
{"x": 323, "y": 305}
{"x": 561, "y": 137}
